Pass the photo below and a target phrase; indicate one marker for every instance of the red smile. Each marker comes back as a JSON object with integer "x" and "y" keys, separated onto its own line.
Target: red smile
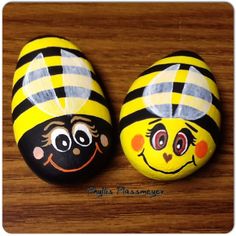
{"x": 56, "y": 166}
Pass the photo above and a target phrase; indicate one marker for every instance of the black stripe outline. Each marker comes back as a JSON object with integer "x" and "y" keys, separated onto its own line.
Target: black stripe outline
{"x": 60, "y": 92}
{"x": 185, "y": 53}
{"x": 47, "y": 52}
{"x": 53, "y": 70}
{"x": 183, "y": 66}
{"x": 206, "y": 122}
{"x": 177, "y": 88}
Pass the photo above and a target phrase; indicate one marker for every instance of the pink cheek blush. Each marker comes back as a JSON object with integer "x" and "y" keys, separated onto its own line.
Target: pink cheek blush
{"x": 201, "y": 149}
{"x": 137, "y": 142}
{"x": 38, "y": 153}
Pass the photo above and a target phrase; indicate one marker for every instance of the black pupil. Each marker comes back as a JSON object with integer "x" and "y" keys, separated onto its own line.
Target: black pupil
{"x": 82, "y": 137}
{"x": 162, "y": 140}
{"x": 179, "y": 144}
{"x": 62, "y": 142}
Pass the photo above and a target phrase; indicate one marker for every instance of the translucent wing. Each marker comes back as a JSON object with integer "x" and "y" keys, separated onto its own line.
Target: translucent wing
{"x": 77, "y": 81}
{"x": 196, "y": 97}
{"x": 158, "y": 94}
{"x": 38, "y": 87}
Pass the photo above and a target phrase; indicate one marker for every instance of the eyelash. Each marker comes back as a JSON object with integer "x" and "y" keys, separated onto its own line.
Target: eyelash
{"x": 94, "y": 131}
{"x": 46, "y": 139}
{"x": 148, "y": 133}
{"x": 192, "y": 140}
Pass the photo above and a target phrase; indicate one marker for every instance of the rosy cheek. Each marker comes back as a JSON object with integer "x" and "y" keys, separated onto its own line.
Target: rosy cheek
{"x": 38, "y": 153}
{"x": 201, "y": 149}
{"x": 137, "y": 142}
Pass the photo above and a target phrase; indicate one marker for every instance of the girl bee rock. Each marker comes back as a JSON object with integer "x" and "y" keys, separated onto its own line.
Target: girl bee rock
{"x": 60, "y": 116}
{"x": 170, "y": 119}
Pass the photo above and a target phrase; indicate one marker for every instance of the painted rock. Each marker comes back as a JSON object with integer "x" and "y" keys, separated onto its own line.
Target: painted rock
{"x": 170, "y": 119}
{"x": 61, "y": 120}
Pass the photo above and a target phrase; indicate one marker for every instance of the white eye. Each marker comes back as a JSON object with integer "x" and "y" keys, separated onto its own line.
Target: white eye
{"x": 60, "y": 139}
{"x": 82, "y": 134}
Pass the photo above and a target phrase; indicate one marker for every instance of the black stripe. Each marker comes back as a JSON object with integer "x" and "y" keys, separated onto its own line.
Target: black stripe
{"x": 53, "y": 70}
{"x": 161, "y": 67}
{"x": 177, "y": 88}
{"x": 135, "y": 117}
{"x": 47, "y": 52}
{"x": 26, "y": 104}
{"x": 185, "y": 53}
{"x": 206, "y": 122}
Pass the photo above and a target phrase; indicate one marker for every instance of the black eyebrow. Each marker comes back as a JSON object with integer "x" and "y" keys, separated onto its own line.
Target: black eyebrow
{"x": 154, "y": 121}
{"x": 192, "y": 128}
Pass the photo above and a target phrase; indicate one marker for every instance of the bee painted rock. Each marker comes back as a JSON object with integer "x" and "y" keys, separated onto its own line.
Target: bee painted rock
{"x": 170, "y": 119}
{"x": 61, "y": 120}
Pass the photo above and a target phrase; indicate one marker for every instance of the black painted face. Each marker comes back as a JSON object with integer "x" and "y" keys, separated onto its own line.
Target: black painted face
{"x": 67, "y": 147}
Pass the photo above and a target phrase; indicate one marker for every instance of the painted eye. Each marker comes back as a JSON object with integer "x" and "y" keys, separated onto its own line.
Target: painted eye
{"x": 180, "y": 144}
{"x": 82, "y": 134}
{"x": 61, "y": 140}
{"x": 159, "y": 139}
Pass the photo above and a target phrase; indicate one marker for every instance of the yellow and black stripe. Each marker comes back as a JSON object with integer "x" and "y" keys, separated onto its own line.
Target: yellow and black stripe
{"x": 26, "y": 115}
{"x": 134, "y": 107}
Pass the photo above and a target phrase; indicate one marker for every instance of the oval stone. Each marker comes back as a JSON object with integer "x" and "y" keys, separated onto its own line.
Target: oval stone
{"x": 61, "y": 120}
{"x": 170, "y": 119}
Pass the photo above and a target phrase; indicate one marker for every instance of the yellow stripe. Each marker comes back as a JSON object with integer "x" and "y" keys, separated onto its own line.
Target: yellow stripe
{"x": 50, "y": 61}
{"x": 46, "y": 42}
{"x": 35, "y": 116}
{"x": 71, "y": 80}
{"x": 164, "y": 98}
{"x": 144, "y": 81}
{"x": 183, "y": 59}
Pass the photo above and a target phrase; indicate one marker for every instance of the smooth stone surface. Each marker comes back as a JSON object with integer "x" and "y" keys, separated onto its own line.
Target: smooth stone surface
{"x": 170, "y": 119}
{"x": 61, "y": 121}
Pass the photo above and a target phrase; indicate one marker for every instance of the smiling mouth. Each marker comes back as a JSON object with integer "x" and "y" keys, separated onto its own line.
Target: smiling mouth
{"x": 162, "y": 171}
{"x": 56, "y": 166}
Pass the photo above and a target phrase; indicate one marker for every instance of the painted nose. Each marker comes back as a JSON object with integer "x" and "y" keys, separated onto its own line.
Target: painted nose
{"x": 76, "y": 151}
{"x": 167, "y": 157}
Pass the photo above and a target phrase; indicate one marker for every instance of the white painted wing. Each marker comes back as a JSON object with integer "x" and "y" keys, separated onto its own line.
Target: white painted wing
{"x": 158, "y": 94}
{"x": 77, "y": 81}
{"x": 38, "y": 87}
{"x": 198, "y": 100}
